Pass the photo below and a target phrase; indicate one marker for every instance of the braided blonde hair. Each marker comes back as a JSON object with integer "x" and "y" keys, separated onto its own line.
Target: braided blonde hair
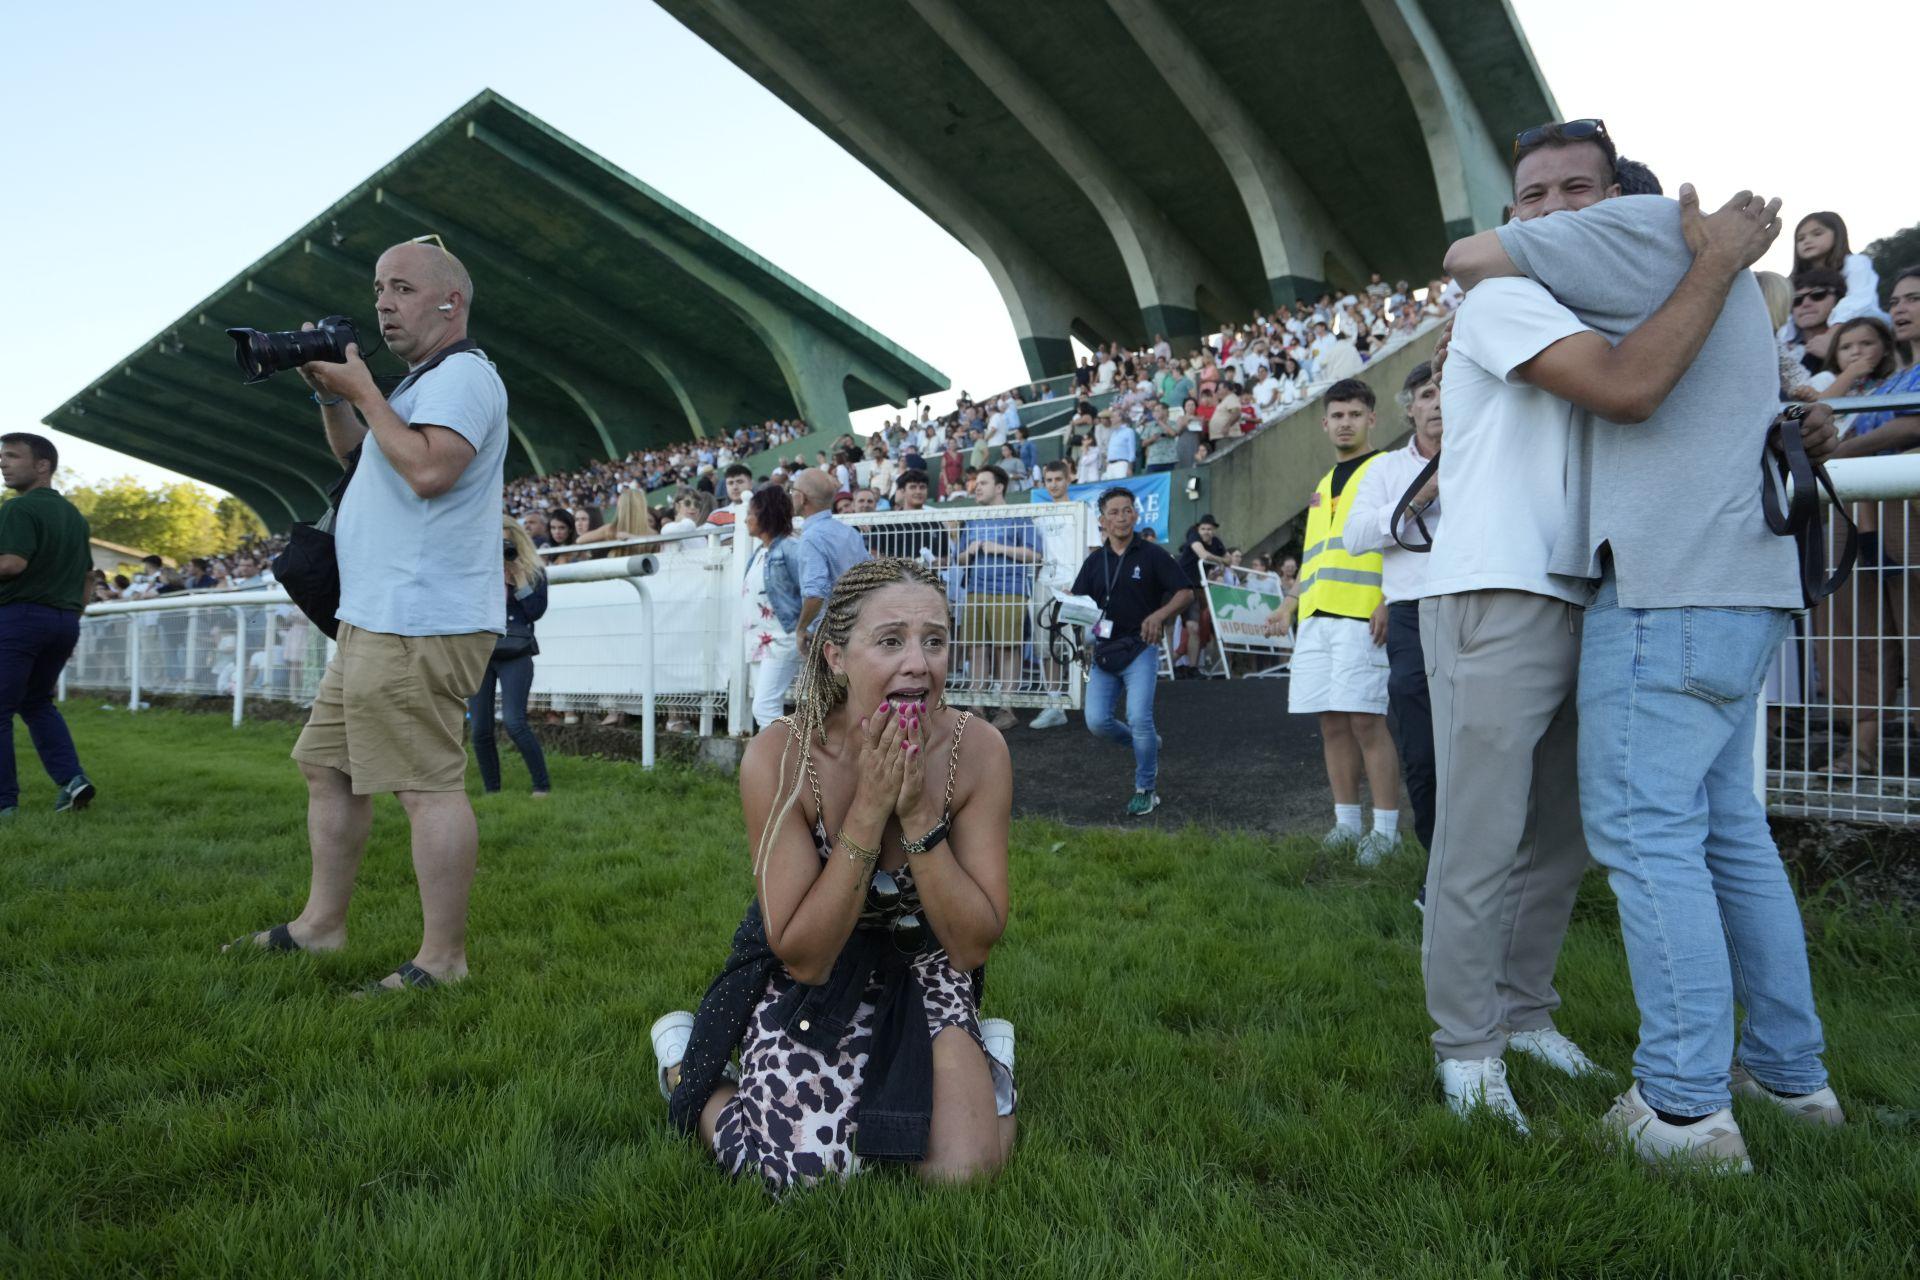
{"x": 817, "y": 692}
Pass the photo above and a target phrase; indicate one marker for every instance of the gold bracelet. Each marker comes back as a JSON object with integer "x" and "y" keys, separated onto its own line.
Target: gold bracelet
{"x": 856, "y": 853}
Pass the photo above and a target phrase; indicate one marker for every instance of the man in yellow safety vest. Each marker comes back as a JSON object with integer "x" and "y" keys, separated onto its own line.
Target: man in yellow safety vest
{"x": 1339, "y": 667}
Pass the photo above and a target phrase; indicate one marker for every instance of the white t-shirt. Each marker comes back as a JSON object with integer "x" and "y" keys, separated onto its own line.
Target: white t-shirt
{"x": 413, "y": 566}
{"x": 1503, "y": 468}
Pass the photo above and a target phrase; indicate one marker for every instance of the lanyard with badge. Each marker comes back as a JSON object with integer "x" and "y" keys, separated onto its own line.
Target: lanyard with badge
{"x": 1103, "y": 629}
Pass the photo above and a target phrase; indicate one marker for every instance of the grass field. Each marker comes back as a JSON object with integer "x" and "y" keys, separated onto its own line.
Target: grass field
{"x": 1222, "y": 1062}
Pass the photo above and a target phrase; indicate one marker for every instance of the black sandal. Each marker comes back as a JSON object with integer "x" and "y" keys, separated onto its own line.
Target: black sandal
{"x": 410, "y": 975}
{"x": 279, "y": 938}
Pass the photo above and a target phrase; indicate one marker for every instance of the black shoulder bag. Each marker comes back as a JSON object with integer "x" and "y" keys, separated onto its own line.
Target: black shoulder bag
{"x": 1784, "y": 458}
{"x": 309, "y": 568}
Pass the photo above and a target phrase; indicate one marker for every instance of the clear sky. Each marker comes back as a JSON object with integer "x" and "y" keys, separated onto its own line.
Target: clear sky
{"x": 153, "y": 151}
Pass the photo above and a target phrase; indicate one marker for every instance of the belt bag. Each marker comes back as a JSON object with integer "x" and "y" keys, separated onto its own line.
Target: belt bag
{"x": 309, "y": 568}
{"x": 1116, "y": 655}
{"x": 518, "y": 642}
{"x": 1782, "y": 459}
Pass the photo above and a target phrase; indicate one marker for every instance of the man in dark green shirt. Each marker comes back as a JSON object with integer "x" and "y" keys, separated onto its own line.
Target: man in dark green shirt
{"x": 44, "y": 565}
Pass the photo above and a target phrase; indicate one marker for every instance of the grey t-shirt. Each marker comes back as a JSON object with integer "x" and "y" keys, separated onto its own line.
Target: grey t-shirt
{"x": 413, "y": 566}
{"x": 1677, "y": 497}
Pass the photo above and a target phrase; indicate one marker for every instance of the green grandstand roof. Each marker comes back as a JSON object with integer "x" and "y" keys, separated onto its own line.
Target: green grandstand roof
{"x": 618, "y": 319}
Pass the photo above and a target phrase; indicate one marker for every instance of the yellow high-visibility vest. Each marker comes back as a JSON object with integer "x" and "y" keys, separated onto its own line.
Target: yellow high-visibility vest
{"x": 1332, "y": 580}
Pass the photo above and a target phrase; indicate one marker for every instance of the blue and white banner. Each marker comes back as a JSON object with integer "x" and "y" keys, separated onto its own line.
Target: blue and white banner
{"x": 1152, "y": 494}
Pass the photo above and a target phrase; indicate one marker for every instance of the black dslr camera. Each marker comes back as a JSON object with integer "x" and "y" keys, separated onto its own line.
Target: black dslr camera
{"x": 512, "y": 552}
{"x": 261, "y": 354}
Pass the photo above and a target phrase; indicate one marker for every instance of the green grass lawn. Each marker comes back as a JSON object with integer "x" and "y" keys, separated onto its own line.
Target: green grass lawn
{"x": 1222, "y": 1061}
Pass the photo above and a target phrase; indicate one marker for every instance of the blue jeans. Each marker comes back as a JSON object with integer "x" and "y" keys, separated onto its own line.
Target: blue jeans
{"x": 516, "y": 680}
{"x": 1104, "y": 690}
{"x": 35, "y": 642}
{"x": 1667, "y": 705}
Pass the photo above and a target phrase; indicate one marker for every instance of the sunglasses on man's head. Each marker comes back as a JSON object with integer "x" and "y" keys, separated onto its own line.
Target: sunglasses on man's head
{"x": 1812, "y": 295}
{"x": 1573, "y": 130}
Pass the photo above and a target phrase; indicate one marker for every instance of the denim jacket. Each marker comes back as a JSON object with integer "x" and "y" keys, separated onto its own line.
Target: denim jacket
{"x": 895, "y": 1103}
{"x": 783, "y": 580}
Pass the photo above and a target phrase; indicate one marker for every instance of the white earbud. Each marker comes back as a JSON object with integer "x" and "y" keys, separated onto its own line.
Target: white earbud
{"x": 445, "y": 306}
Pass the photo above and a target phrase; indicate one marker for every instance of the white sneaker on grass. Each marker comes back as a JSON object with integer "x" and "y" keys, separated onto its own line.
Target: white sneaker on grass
{"x": 997, "y": 1035}
{"x": 1821, "y": 1107}
{"x": 1341, "y": 837}
{"x": 1712, "y": 1143}
{"x": 670, "y": 1036}
{"x": 1470, "y": 1084}
{"x": 1547, "y": 1045}
{"x": 1051, "y": 718}
{"x": 1373, "y": 848}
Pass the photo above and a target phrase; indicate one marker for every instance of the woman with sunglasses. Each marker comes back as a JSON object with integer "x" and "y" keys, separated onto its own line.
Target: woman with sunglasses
{"x": 852, "y": 992}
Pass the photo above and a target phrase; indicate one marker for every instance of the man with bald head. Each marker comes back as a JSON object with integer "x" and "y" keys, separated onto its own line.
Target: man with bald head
{"x": 828, "y": 548}
{"x": 418, "y": 540}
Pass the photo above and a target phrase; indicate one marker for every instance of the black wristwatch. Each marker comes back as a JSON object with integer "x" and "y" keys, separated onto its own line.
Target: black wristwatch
{"x": 928, "y": 841}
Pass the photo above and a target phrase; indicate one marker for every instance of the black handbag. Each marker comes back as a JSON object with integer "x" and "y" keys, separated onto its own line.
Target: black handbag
{"x": 518, "y": 642}
{"x": 1795, "y": 513}
{"x": 309, "y": 569}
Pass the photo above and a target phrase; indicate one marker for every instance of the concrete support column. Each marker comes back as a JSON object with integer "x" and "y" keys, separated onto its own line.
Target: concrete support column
{"x": 1167, "y": 271}
{"x": 1294, "y": 230}
{"x": 1469, "y": 169}
{"x": 1043, "y": 305}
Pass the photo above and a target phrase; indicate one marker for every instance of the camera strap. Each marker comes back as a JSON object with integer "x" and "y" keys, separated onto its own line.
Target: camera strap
{"x": 338, "y": 493}
{"x": 1400, "y": 511}
{"x": 1795, "y": 512}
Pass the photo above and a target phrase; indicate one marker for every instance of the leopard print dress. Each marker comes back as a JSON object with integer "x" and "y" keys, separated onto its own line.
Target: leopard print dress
{"x": 792, "y": 1119}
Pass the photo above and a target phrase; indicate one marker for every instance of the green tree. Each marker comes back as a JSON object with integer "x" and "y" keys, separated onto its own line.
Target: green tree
{"x": 177, "y": 520}
{"x": 1891, "y": 253}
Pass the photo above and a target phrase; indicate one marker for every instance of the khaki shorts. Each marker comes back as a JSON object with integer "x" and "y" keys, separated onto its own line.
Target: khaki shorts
{"x": 391, "y": 710}
{"x": 995, "y": 619}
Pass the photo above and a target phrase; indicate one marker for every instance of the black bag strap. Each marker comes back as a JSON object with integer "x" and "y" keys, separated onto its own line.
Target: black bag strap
{"x": 1795, "y": 511}
{"x": 1406, "y": 500}
{"x": 352, "y": 463}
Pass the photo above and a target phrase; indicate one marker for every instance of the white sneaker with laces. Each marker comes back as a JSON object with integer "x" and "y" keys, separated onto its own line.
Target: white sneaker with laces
{"x": 1373, "y": 848}
{"x": 1821, "y": 1107}
{"x": 1711, "y": 1143}
{"x": 1549, "y": 1046}
{"x": 1051, "y": 718}
{"x": 1470, "y": 1084}
{"x": 670, "y": 1036}
{"x": 1341, "y": 837}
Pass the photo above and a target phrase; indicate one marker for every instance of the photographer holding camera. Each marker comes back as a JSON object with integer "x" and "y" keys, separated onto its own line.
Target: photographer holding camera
{"x": 421, "y": 605}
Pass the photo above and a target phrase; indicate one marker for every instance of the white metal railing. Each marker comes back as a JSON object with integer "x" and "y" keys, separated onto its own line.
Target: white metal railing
{"x": 1839, "y": 733}
{"x": 629, "y": 634}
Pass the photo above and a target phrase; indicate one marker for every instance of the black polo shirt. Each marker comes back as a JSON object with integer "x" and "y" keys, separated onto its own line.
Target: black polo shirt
{"x": 1144, "y": 578}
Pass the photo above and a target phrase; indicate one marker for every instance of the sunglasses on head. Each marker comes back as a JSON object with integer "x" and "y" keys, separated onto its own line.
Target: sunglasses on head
{"x": 1585, "y": 130}
{"x": 1812, "y": 295}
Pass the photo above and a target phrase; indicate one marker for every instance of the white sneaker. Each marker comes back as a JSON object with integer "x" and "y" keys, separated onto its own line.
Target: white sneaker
{"x": 997, "y": 1035}
{"x": 1472, "y": 1083}
{"x": 1711, "y": 1143}
{"x": 670, "y": 1036}
{"x": 1563, "y": 1055}
{"x": 1821, "y": 1107}
{"x": 1341, "y": 837}
{"x": 1373, "y": 848}
{"x": 1051, "y": 718}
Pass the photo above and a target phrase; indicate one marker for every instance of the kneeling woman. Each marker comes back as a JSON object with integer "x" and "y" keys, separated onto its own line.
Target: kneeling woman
{"x": 852, "y": 992}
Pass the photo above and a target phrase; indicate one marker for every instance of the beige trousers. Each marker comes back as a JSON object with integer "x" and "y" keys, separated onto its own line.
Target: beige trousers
{"x": 1508, "y": 850}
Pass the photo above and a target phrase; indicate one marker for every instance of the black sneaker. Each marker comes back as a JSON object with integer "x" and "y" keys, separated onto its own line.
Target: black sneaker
{"x": 77, "y": 794}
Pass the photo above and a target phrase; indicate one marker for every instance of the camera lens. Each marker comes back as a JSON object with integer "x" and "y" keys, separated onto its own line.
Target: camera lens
{"x": 262, "y": 353}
